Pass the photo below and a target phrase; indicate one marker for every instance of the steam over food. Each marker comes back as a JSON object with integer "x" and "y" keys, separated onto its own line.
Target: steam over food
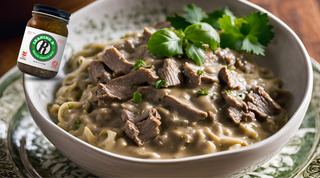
{"x": 122, "y": 98}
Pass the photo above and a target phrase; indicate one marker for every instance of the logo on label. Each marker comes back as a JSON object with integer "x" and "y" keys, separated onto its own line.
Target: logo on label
{"x": 54, "y": 64}
{"x": 24, "y": 53}
{"x": 43, "y": 47}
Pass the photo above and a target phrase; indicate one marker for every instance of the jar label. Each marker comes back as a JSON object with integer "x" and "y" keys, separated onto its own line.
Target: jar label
{"x": 42, "y": 49}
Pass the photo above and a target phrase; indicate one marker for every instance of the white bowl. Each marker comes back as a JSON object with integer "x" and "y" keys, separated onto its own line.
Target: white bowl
{"x": 286, "y": 56}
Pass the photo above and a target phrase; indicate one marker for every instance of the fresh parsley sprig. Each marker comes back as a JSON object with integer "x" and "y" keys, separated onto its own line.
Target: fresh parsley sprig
{"x": 250, "y": 33}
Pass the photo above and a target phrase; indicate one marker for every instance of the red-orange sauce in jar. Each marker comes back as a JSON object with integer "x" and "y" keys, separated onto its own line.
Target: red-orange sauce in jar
{"x": 43, "y": 42}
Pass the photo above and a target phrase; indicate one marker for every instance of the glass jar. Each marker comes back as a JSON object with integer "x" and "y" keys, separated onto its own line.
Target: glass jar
{"x": 43, "y": 42}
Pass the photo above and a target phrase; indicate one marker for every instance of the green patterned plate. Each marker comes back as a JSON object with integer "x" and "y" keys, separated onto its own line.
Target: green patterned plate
{"x": 25, "y": 152}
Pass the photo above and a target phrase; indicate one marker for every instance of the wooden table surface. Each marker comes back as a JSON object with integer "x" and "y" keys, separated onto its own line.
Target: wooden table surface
{"x": 303, "y": 16}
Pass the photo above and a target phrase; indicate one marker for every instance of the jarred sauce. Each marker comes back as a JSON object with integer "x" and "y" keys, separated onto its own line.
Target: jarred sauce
{"x": 48, "y": 23}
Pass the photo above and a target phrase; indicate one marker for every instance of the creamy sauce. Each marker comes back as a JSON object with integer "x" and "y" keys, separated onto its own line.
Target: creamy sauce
{"x": 179, "y": 136}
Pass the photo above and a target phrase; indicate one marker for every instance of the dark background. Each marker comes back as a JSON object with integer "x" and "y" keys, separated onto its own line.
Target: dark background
{"x": 303, "y": 16}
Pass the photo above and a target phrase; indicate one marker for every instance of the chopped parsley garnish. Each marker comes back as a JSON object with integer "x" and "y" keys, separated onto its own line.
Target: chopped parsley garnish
{"x": 203, "y": 91}
{"x": 196, "y": 28}
{"x": 139, "y": 64}
{"x": 70, "y": 106}
{"x": 105, "y": 135}
{"x": 242, "y": 96}
{"x": 160, "y": 83}
{"x": 200, "y": 72}
{"x": 228, "y": 92}
{"x": 181, "y": 136}
{"x": 135, "y": 86}
{"x": 77, "y": 124}
{"x": 137, "y": 97}
{"x": 229, "y": 68}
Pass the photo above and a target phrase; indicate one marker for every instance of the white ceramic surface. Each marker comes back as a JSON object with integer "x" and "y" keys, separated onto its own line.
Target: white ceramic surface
{"x": 106, "y": 19}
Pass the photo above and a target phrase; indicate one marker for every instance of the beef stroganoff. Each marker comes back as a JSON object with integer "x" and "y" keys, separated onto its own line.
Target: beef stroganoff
{"x": 123, "y": 99}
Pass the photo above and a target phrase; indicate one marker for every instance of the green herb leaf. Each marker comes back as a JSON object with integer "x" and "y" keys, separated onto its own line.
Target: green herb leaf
{"x": 252, "y": 46}
{"x": 135, "y": 86}
{"x": 178, "y": 22}
{"x": 250, "y": 33}
{"x": 202, "y": 33}
{"x": 160, "y": 83}
{"x": 228, "y": 92}
{"x": 77, "y": 124}
{"x": 193, "y": 13}
{"x": 179, "y": 33}
{"x": 105, "y": 135}
{"x": 203, "y": 91}
{"x": 200, "y": 72}
{"x": 137, "y": 97}
{"x": 70, "y": 106}
{"x": 139, "y": 64}
{"x": 257, "y": 25}
{"x": 196, "y": 53}
{"x": 231, "y": 37}
{"x": 226, "y": 11}
{"x": 213, "y": 18}
{"x": 165, "y": 43}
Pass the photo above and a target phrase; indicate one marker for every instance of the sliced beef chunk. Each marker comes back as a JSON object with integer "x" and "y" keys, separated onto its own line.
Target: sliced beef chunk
{"x": 226, "y": 56}
{"x": 99, "y": 72}
{"x": 150, "y": 93}
{"x": 144, "y": 128}
{"x": 261, "y": 103}
{"x": 129, "y": 45}
{"x": 234, "y": 101}
{"x": 149, "y": 128}
{"x": 116, "y": 61}
{"x": 121, "y": 88}
{"x": 209, "y": 79}
{"x": 187, "y": 110}
{"x": 147, "y": 33}
{"x": 212, "y": 117}
{"x": 244, "y": 65}
{"x": 171, "y": 73}
{"x": 191, "y": 74}
{"x": 237, "y": 115}
{"x": 234, "y": 80}
{"x": 128, "y": 115}
{"x": 132, "y": 132}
